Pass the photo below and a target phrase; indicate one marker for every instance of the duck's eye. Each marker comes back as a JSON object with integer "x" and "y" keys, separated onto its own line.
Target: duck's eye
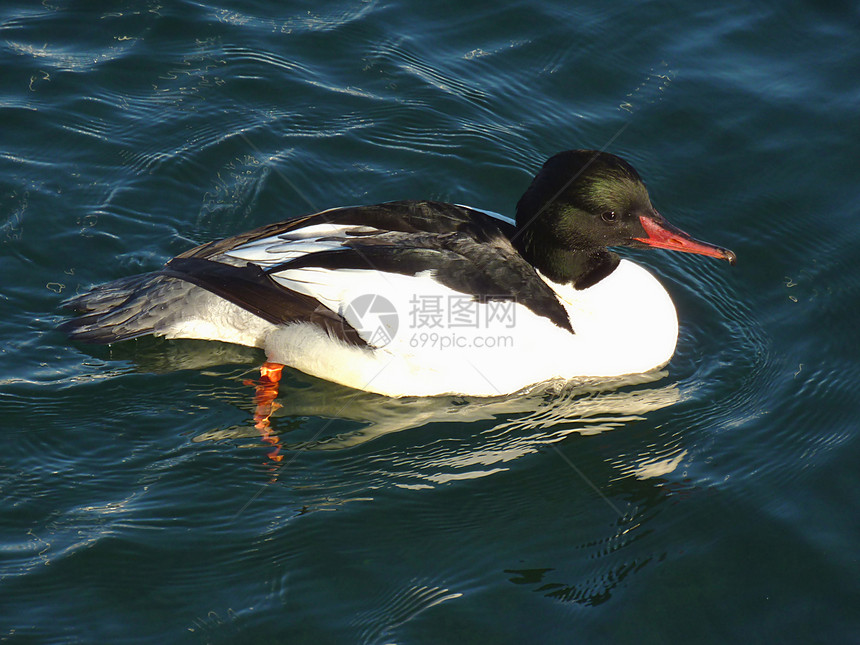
{"x": 609, "y": 216}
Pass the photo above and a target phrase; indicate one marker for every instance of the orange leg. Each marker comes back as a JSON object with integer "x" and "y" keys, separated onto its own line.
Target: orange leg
{"x": 267, "y": 392}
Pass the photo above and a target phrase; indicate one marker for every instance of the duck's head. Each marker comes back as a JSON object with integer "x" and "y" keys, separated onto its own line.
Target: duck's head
{"x": 582, "y": 202}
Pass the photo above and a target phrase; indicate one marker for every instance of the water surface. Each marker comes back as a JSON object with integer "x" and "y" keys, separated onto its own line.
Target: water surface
{"x": 716, "y": 502}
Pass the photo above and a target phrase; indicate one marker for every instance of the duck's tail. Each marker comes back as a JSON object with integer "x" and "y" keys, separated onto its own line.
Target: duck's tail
{"x": 127, "y": 308}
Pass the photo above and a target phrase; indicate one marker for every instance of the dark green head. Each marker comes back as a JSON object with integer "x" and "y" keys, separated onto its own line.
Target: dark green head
{"x": 582, "y": 202}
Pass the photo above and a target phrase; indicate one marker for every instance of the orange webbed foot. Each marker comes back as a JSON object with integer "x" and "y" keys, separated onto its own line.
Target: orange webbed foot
{"x": 266, "y": 393}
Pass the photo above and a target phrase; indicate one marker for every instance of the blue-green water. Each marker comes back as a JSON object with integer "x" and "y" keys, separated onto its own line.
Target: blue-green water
{"x": 716, "y": 504}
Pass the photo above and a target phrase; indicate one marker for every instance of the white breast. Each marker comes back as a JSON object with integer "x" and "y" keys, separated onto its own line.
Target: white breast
{"x": 626, "y": 323}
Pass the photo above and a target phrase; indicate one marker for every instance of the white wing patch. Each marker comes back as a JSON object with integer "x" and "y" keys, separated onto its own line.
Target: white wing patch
{"x": 277, "y": 249}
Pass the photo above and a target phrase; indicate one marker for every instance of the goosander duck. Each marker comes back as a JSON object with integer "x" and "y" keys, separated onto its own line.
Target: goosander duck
{"x": 421, "y": 298}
